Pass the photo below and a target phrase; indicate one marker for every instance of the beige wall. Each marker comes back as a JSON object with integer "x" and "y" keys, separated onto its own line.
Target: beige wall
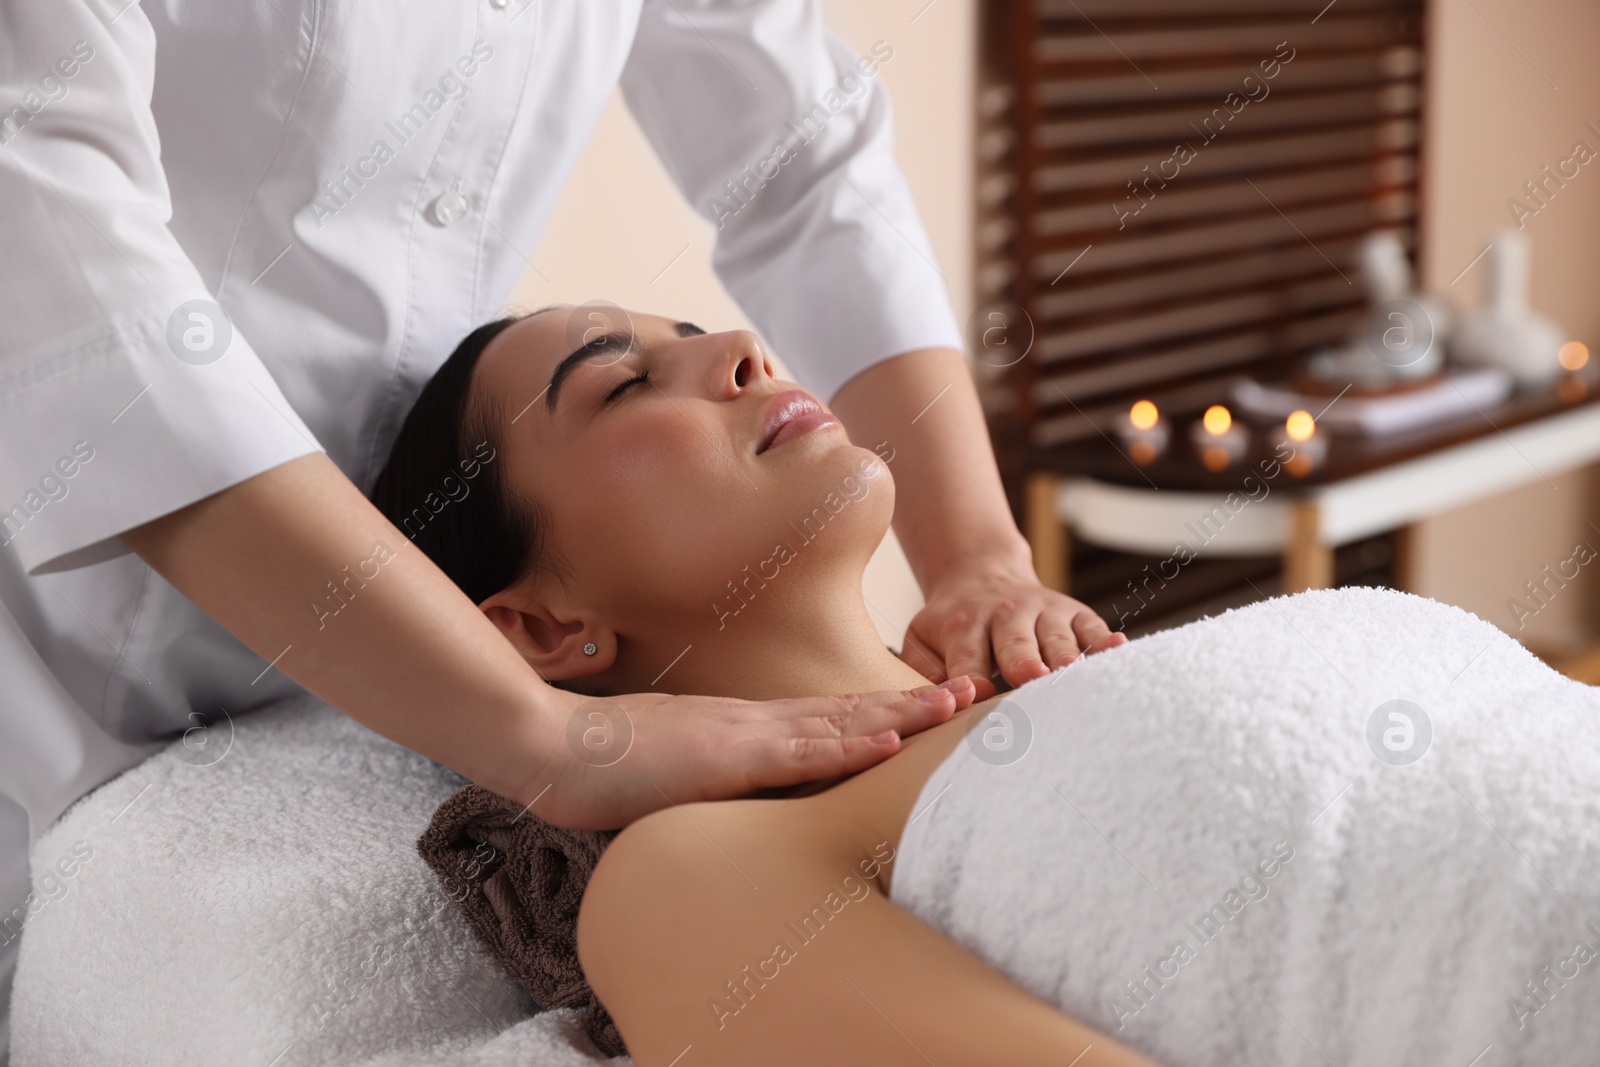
{"x": 1512, "y": 84}
{"x": 620, "y": 199}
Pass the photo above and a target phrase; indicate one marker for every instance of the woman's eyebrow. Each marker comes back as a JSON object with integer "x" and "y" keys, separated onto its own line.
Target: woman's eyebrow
{"x": 605, "y": 344}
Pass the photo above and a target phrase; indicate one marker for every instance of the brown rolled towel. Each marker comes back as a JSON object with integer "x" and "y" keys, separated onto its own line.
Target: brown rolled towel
{"x": 519, "y": 882}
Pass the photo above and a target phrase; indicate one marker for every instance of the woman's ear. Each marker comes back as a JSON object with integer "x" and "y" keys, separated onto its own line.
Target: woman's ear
{"x": 552, "y": 641}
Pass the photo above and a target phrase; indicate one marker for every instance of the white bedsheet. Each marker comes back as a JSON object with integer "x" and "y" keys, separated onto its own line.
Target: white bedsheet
{"x": 260, "y": 901}
{"x": 1201, "y": 853}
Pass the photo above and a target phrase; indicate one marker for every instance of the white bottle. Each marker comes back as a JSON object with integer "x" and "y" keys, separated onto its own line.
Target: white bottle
{"x": 1401, "y": 336}
{"x": 1506, "y": 333}
{"x": 1404, "y": 329}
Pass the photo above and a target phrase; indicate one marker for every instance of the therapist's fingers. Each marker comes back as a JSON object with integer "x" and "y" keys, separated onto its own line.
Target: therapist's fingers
{"x": 822, "y": 737}
{"x": 626, "y": 756}
{"x": 966, "y": 652}
{"x": 1093, "y": 633}
{"x": 865, "y": 714}
{"x": 1059, "y": 644}
{"x": 871, "y": 714}
{"x": 1016, "y": 642}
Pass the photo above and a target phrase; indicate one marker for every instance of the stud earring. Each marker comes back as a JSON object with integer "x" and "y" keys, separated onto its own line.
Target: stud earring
{"x": 589, "y": 649}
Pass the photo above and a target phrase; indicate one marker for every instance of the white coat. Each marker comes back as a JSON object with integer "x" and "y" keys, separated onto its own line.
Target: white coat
{"x": 232, "y": 234}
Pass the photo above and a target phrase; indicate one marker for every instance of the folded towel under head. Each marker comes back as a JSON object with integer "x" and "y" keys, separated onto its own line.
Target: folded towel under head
{"x": 519, "y": 881}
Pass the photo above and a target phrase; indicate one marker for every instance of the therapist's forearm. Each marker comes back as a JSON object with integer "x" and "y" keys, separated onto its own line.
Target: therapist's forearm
{"x": 950, "y": 508}
{"x": 408, "y": 655}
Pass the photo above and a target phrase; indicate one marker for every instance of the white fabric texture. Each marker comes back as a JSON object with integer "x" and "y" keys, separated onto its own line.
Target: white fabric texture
{"x": 160, "y": 153}
{"x": 1366, "y": 911}
{"x": 254, "y": 891}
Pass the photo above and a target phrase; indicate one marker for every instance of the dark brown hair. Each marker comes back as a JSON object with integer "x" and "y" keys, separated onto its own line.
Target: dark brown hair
{"x": 444, "y": 486}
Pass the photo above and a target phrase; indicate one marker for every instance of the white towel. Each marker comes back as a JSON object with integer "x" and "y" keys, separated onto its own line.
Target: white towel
{"x": 259, "y": 900}
{"x": 1460, "y": 392}
{"x": 1202, "y": 854}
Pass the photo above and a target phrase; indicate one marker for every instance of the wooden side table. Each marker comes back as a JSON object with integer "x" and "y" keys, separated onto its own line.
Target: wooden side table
{"x": 1365, "y": 487}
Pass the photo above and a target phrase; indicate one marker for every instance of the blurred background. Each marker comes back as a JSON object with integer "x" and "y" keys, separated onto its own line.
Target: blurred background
{"x": 1450, "y": 451}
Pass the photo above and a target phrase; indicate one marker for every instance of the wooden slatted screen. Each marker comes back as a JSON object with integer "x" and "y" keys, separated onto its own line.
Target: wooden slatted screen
{"x": 1174, "y": 190}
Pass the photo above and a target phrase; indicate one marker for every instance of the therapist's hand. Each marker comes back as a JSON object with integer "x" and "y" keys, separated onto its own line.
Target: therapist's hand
{"x": 919, "y": 412}
{"x": 994, "y": 613}
{"x": 626, "y": 756}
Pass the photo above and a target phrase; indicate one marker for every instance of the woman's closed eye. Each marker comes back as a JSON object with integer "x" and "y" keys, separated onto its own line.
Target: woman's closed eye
{"x": 642, "y": 376}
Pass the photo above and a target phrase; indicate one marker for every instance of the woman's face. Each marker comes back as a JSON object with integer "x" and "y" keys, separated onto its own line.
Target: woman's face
{"x": 651, "y": 447}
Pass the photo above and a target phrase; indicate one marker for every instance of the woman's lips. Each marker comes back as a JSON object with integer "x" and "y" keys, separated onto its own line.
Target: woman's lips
{"x": 802, "y": 424}
{"x": 792, "y": 413}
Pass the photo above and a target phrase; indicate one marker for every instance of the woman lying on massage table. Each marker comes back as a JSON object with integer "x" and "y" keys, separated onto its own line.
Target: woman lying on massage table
{"x": 713, "y": 527}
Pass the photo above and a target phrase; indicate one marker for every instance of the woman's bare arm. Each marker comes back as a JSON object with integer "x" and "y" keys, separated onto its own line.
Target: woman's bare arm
{"x": 683, "y": 934}
{"x": 411, "y": 657}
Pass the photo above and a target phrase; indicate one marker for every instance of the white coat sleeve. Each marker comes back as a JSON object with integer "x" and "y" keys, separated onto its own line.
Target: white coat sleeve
{"x": 117, "y": 404}
{"x": 781, "y": 135}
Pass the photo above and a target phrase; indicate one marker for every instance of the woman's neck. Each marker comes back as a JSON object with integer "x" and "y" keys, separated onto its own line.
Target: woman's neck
{"x": 803, "y": 642}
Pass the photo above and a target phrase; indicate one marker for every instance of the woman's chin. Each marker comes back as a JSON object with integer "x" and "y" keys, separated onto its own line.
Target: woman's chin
{"x": 831, "y": 461}
{"x": 845, "y": 485}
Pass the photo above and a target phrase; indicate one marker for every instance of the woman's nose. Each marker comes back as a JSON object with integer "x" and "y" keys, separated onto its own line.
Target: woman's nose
{"x": 739, "y": 360}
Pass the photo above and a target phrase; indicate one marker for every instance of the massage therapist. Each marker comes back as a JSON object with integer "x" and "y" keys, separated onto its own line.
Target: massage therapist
{"x": 237, "y": 239}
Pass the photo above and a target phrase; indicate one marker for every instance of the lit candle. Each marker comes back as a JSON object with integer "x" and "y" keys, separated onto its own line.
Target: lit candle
{"x": 1217, "y": 439}
{"x": 1142, "y": 432}
{"x": 1573, "y": 386}
{"x": 1309, "y": 447}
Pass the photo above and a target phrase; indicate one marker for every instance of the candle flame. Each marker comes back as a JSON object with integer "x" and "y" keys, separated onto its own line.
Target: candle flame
{"x": 1217, "y": 420}
{"x": 1300, "y": 425}
{"x": 1143, "y": 415}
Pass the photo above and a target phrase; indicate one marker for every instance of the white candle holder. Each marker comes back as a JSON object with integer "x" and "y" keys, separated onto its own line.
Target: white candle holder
{"x": 1573, "y": 385}
{"x": 1143, "y": 432}
{"x": 1309, "y": 445}
{"x": 1219, "y": 440}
